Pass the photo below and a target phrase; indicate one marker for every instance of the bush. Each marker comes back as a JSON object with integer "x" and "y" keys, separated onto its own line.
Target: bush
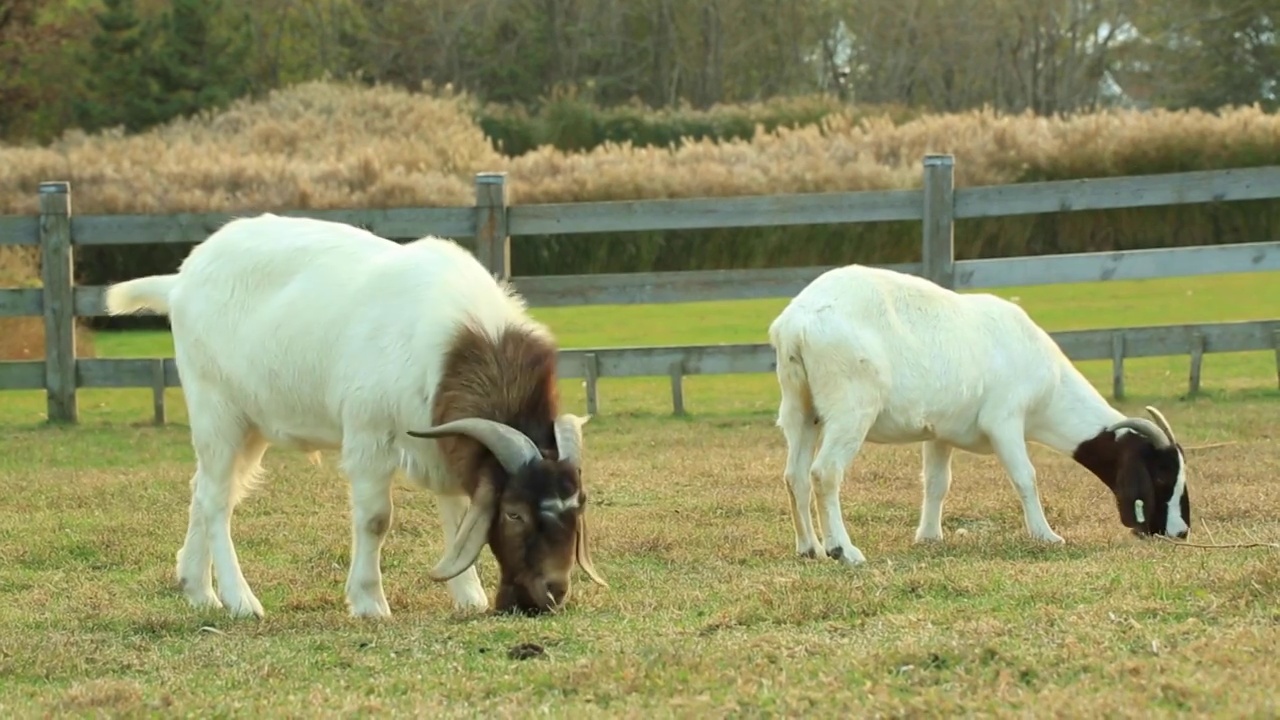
{"x": 566, "y": 122}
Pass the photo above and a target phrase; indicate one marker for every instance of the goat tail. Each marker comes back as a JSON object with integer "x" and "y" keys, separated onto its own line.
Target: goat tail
{"x": 144, "y": 293}
{"x": 787, "y": 336}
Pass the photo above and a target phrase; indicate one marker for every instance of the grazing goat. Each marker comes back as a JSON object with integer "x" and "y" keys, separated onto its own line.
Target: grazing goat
{"x": 314, "y": 335}
{"x": 872, "y": 355}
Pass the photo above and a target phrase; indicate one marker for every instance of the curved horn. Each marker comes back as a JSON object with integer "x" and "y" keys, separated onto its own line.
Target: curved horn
{"x": 1144, "y": 427}
{"x": 473, "y": 532}
{"x": 583, "y": 553}
{"x": 1164, "y": 424}
{"x": 568, "y": 429}
{"x": 512, "y": 448}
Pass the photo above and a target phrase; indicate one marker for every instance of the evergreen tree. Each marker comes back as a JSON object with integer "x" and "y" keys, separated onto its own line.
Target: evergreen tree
{"x": 193, "y": 66}
{"x": 116, "y": 88}
{"x": 17, "y": 28}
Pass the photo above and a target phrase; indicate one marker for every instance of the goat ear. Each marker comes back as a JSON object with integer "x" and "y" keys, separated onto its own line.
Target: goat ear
{"x": 1134, "y": 494}
{"x": 473, "y": 533}
{"x": 568, "y": 432}
{"x": 583, "y": 552}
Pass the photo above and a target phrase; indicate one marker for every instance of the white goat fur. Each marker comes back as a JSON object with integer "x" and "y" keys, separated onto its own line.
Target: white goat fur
{"x": 871, "y": 355}
{"x": 316, "y": 335}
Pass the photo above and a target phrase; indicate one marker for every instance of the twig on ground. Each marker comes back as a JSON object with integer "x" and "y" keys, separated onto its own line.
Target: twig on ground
{"x": 1184, "y": 543}
{"x": 1211, "y": 446}
{"x": 1208, "y": 532}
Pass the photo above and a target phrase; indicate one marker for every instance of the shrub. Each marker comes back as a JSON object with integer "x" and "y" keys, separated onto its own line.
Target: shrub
{"x": 569, "y": 123}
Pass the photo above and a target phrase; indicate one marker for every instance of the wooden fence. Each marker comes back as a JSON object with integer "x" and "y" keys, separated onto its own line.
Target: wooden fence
{"x": 492, "y": 222}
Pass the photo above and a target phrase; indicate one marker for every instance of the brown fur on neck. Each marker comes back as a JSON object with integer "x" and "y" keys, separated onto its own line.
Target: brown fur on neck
{"x": 509, "y": 379}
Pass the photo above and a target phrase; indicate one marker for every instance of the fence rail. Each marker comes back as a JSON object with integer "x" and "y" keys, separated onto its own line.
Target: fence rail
{"x": 491, "y": 221}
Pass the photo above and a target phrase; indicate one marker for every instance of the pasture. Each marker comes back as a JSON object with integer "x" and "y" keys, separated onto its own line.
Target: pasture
{"x": 709, "y": 613}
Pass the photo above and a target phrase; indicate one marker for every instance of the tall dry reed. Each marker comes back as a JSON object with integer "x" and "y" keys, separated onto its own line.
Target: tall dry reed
{"x": 22, "y": 338}
{"x": 316, "y": 145}
{"x": 334, "y": 145}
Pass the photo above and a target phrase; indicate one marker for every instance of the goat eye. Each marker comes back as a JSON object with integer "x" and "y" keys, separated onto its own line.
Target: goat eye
{"x": 514, "y": 517}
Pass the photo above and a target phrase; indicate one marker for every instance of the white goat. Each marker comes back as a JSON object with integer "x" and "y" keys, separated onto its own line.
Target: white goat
{"x": 871, "y": 355}
{"x": 317, "y": 335}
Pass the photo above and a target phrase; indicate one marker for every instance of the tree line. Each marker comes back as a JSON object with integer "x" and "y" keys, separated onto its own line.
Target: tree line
{"x": 95, "y": 64}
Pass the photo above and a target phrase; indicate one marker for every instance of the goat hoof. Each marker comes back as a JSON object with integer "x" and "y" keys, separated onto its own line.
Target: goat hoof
{"x": 247, "y": 608}
{"x": 374, "y": 613}
{"x": 851, "y": 556}
{"x": 246, "y": 613}
{"x": 204, "y": 601}
{"x": 810, "y": 554}
{"x": 471, "y": 602}
{"x": 375, "y": 609}
{"x": 198, "y": 596}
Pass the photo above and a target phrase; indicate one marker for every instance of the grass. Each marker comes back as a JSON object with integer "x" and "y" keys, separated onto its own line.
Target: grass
{"x": 709, "y": 613}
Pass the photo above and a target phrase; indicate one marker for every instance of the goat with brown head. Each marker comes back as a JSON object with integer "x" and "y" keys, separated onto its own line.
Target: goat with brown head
{"x": 366, "y": 341}
{"x": 528, "y": 506}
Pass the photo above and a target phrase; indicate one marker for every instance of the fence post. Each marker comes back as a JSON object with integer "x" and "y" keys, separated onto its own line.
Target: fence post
{"x": 1275, "y": 340}
{"x": 157, "y": 391}
{"x": 592, "y": 373}
{"x": 1117, "y": 365}
{"x": 1197, "y": 360}
{"x": 493, "y": 246}
{"x": 939, "y": 250}
{"x": 59, "y": 301}
{"x": 677, "y": 388}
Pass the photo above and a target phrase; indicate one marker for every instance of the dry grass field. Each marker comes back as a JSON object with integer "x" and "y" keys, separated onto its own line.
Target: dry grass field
{"x": 709, "y": 614}
{"x": 385, "y": 147}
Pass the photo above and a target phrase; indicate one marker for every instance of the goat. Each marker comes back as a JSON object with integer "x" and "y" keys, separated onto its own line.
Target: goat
{"x": 872, "y": 355}
{"x": 314, "y": 335}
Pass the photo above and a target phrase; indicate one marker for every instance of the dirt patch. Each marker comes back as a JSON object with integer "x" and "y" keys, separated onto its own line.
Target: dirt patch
{"x": 526, "y": 651}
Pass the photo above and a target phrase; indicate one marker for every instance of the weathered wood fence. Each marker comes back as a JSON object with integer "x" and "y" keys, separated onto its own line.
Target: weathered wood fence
{"x": 492, "y": 221}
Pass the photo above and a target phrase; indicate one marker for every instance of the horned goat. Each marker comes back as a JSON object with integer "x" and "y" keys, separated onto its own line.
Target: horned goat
{"x": 872, "y": 355}
{"x": 313, "y": 335}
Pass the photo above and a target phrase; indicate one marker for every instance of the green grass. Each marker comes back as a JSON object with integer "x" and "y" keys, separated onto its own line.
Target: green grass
{"x": 709, "y": 614}
{"x": 1254, "y": 296}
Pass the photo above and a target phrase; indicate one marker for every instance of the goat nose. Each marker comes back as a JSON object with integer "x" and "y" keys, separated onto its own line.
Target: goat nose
{"x": 558, "y": 590}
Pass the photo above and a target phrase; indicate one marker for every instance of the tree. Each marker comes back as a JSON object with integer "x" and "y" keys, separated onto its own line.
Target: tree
{"x": 17, "y": 28}
{"x": 116, "y": 89}
{"x": 1208, "y": 53}
{"x": 191, "y": 66}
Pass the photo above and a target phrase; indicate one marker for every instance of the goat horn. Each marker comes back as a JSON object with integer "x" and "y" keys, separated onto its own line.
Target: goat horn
{"x": 462, "y": 551}
{"x": 583, "y": 553}
{"x": 1144, "y": 427}
{"x": 568, "y": 430}
{"x": 512, "y": 448}
{"x": 1164, "y": 424}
